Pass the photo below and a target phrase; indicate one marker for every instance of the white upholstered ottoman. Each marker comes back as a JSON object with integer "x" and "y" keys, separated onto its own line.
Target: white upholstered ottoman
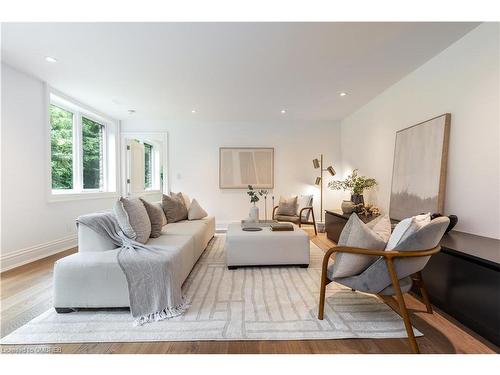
{"x": 266, "y": 247}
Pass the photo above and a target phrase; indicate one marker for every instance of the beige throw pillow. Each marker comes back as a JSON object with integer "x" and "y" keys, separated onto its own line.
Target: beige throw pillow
{"x": 287, "y": 207}
{"x": 358, "y": 234}
{"x": 174, "y": 208}
{"x": 156, "y": 215}
{"x": 133, "y": 219}
{"x": 196, "y": 212}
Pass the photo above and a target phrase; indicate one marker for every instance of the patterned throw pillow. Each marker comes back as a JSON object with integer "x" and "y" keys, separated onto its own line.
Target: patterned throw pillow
{"x": 174, "y": 208}
{"x": 155, "y": 214}
{"x": 133, "y": 219}
{"x": 287, "y": 207}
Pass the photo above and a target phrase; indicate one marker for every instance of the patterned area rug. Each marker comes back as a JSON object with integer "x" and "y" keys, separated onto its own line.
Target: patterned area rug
{"x": 257, "y": 303}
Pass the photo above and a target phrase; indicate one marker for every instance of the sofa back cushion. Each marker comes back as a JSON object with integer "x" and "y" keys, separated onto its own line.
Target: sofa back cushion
{"x": 156, "y": 216}
{"x": 174, "y": 208}
{"x": 196, "y": 212}
{"x": 133, "y": 219}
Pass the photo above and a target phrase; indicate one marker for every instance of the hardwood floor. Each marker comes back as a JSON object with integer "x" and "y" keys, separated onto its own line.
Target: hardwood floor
{"x": 27, "y": 291}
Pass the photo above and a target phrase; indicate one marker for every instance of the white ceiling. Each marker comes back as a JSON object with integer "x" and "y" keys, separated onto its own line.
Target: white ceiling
{"x": 226, "y": 71}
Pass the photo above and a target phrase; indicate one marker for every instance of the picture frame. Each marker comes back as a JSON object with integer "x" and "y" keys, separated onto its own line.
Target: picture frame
{"x": 243, "y": 166}
{"x": 419, "y": 168}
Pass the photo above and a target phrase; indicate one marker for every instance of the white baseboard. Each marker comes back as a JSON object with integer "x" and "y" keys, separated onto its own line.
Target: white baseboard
{"x": 221, "y": 226}
{"x": 30, "y": 254}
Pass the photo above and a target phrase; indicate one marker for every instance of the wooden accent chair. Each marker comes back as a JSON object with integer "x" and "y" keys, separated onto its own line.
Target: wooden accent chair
{"x": 301, "y": 218}
{"x": 393, "y": 273}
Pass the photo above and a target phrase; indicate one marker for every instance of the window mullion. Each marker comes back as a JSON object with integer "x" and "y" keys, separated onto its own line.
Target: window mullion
{"x": 79, "y": 148}
{"x": 104, "y": 145}
{"x": 75, "y": 152}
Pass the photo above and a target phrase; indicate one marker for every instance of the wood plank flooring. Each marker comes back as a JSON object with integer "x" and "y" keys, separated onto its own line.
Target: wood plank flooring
{"x": 27, "y": 292}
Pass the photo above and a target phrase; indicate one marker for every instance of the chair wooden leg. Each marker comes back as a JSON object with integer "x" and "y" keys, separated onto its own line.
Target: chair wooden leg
{"x": 423, "y": 291}
{"x": 402, "y": 306}
{"x": 322, "y": 293}
{"x": 314, "y": 223}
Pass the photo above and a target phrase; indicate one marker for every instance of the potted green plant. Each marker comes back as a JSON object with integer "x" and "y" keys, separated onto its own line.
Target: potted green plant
{"x": 355, "y": 184}
{"x": 254, "y": 198}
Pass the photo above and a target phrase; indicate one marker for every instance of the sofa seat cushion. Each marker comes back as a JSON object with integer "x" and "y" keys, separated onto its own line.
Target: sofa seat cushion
{"x": 293, "y": 219}
{"x": 201, "y": 230}
{"x": 182, "y": 244}
{"x": 194, "y": 229}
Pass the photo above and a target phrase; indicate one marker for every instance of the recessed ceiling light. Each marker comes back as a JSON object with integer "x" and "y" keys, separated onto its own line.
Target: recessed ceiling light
{"x": 50, "y": 59}
{"x": 193, "y": 111}
{"x": 343, "y": 94}
{"x": 283, "y": 111}
{"x": 131, "y": 111}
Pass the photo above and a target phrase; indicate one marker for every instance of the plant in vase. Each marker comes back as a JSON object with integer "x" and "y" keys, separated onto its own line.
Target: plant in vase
{"x": 355, "y": 184}
{"x": 254, "y": 198}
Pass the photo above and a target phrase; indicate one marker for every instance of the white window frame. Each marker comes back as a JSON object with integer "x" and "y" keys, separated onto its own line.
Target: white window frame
{"x": 159, "y": 141}
{"x": 110, "y": 182}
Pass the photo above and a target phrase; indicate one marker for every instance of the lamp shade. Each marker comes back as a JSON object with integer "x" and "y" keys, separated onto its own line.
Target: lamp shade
{"x": 316, "y": 163}
{"x": 331, "y": 170}
{"x": 318, "y": 181}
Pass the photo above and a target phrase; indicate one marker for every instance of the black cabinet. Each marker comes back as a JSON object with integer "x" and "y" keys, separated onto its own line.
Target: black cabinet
{"x": 465, "y": 285}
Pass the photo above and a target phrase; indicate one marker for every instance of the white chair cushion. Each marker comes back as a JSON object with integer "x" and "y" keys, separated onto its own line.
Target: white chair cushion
{"x": 406, "y": 228}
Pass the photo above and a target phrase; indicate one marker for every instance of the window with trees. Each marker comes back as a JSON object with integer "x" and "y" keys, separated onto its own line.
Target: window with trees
{"x": 79, "y": 150}
{"x": 148, "y": 166}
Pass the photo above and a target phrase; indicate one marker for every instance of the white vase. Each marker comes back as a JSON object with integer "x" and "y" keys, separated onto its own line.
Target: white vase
{"x": 254, "y": 213}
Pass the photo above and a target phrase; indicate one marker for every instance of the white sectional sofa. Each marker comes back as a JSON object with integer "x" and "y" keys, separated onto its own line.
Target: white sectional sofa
{"x": 92, "y": 278}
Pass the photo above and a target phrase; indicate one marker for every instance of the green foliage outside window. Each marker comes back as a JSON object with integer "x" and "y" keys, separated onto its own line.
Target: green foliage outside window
{"x": 148, "y": 165}
{"x": 92, "y": 141}
{"x": 61, "y": 143}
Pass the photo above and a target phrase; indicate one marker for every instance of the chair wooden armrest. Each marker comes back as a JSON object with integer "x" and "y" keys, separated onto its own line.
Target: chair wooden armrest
{"x": 387, "y": 254}
{"x": 274, "y": 210}
{"x": 303, "y": 209}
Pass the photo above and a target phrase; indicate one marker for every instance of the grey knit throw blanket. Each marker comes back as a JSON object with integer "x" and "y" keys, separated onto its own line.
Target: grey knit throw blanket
{"x": 154, "y": 282}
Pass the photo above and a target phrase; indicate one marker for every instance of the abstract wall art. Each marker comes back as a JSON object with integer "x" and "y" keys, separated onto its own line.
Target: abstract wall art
{"x": 243, "y": 166}
{"x": 419, "y": 169}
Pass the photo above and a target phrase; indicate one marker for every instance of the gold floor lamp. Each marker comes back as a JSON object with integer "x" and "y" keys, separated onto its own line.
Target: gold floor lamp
{"x": 319, "y": 181}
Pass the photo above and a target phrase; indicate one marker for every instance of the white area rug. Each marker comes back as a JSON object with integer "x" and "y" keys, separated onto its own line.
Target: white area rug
{"x": 259, "y": 303}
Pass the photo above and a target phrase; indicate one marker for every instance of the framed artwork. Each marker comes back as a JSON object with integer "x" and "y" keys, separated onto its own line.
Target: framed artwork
{"x": 243, "y": 166}
{"x": 419, "y": 169}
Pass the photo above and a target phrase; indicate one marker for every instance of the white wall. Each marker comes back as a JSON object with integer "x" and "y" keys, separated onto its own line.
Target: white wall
{"x": 194, "y": 160}
{"x": 31, "y": 226}
{"x": 462, "y": 80}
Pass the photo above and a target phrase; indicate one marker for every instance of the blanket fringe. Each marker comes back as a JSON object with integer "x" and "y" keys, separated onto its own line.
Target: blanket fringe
{"x": 166, "y": 313}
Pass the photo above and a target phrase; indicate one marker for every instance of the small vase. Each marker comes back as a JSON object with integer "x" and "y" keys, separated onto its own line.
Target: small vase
{"x": 347, "y": 207}
{"x": 254, "y": 213}
{"x": 357, "y": 199}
